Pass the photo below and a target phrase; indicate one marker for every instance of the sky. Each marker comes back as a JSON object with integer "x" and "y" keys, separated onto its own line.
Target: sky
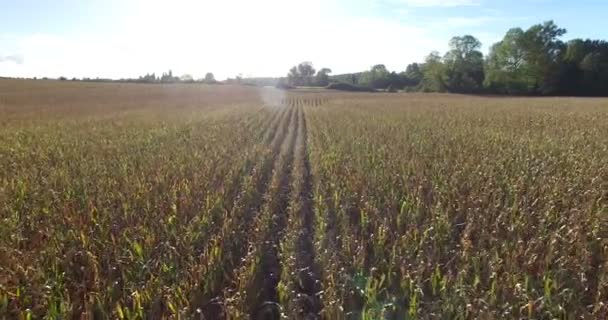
{"x": 128, "y": 38}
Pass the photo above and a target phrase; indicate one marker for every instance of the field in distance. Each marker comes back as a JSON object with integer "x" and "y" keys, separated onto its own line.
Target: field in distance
{"x": 191, "y": 201}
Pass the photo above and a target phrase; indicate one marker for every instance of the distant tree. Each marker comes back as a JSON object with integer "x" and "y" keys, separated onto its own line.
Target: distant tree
{"x": 379, "y": 68}
{"x": 594, "y": 67}
{"x": 584, "y": 69}
{"x": 434, "y": 73}
{"x": 527, "y": 61}
{"x": 378, "y": 77}
{"x": 209, "y": 78}
{"x": 168, "y": 77}
{"x": 306, "y": 69}
{"x": 531, "y": 61}
{"x": 148, "y": 78}
{"x": 544, "y": 53}
{"x": 322, "y": 77}
{"x": 350, "y": 78}
{"x": 413, "y": 75}
{"x": 576, "y": 51}
{"x": 301, "y": 75}
{"x": 464, "y": 65}
{"x": 293, "y": 77}
{"x": 507, "y": 70}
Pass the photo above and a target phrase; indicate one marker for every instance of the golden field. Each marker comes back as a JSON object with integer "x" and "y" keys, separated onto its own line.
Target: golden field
{"x": 139, "y": 201}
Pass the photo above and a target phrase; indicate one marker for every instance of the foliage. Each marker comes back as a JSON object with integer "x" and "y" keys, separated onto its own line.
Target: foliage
{"x": 585, "y": 68}
{"x": 380, "y": 78}
{"x": 209, "y": 78}
{"x": 464, "y": 65}
{"x": 348, "y": 87}
{"x": 433, "y": 71}
{"x": 301, "y": 75}
{"x": 525, "y": 62}
{"x": 168, "y": 78}
{"x": 322, "y": 77}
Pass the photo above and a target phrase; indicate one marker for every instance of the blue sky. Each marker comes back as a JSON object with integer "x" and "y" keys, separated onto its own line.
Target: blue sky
{"x": 127, "y": 38}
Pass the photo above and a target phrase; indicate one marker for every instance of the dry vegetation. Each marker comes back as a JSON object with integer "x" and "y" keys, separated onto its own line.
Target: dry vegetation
{"x": 151, "y": 201}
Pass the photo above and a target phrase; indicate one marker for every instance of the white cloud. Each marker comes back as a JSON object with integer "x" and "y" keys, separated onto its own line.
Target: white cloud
{"x": 260, "y": 38}
{"x": 15, "y": 58}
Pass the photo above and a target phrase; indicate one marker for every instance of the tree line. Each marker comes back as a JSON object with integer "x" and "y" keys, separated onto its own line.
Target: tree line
{"x": 170, "y": 78}
{"x": 525, "y": 62}
{"x": 166, "y": 77}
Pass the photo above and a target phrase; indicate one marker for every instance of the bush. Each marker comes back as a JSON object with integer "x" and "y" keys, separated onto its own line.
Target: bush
{"x": 283, "y": 85}
{"x": 348, "y": 87}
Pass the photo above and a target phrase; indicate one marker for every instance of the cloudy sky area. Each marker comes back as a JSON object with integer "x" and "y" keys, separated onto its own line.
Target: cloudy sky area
{"x": 128, "y": 38}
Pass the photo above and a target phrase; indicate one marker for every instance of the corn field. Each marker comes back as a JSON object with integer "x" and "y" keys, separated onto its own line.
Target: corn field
{"x": 223, "y": 202}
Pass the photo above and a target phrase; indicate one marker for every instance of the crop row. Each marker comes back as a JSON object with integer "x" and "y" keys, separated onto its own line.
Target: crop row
{"x": 479, "y": 209}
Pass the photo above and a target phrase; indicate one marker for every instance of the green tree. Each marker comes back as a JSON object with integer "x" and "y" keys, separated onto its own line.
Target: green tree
{"x": 306, "y": 69}
{"x": 433, "y": 72}
{"x": 413, "y": 75}
{"x": 322, "y": 77}
{"x": 527, "y": 61}
{"x": 464, "y": 65}
{"x": 575, "y": 51}
{"x": 378, "y": 77}
{"x": 544, "y": 54}
{"x": 306, "y": 72}
{"x": 594, "y": 69}
{"x": 301, "y": 75}
{"x": 210, "y": 78}
{"x": 169, "y": 78}
{"x": 506, "y": 66}
{"x": 293, "y": 77}
{"x": 584, "y": 70}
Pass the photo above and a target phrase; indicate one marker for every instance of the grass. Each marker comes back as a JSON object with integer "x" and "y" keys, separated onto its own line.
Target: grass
{"x": 180, "y": 201}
